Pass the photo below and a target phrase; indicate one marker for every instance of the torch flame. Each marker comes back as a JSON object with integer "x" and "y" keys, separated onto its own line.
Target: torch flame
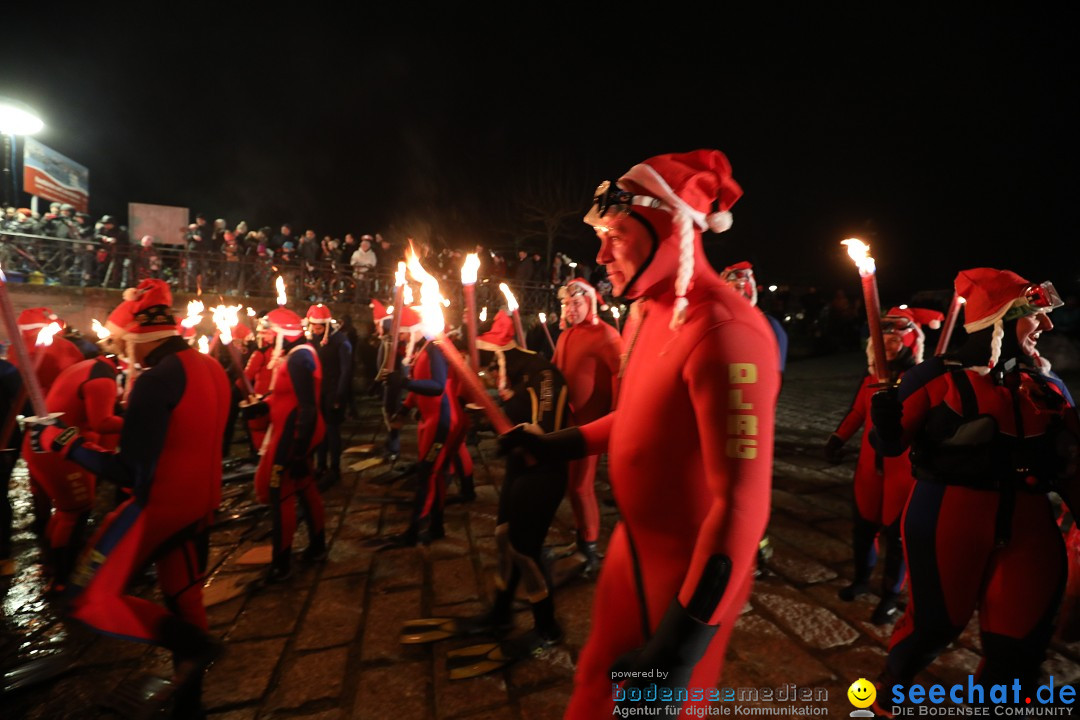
{"x": 543, "y": 318}
{"x": 251, "y": 312}
{"x": 483, "y": 314}
{"x": 860, "y": 253}
{"x": 194, "y": 314}
{"x": 282, "y": 298}
{"x": 511, "y": 301}
{"x": 226, "y": 317}
{"x": 468, "y": 270}
{"x": 407, "y": 296}
{"x": 399, "y": 276}
{"x": 962, "y": 299}
{"x": 99, "y": 329}
{"x": 45, "y": 335}
{"x": 431, "y": 316}
{"x": 204, "y": 345}
{"x": 614, "y": 312}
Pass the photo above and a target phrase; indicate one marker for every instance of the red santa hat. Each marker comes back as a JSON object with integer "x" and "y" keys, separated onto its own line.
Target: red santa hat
{"x": 695, "y": 188}
{"x": 410, "y": 319}
{"x": 907, "y": 322}
{"x": 145, "y": 314}
{"x": 318, "y": 314}
{"x": 378, "y": 311}
{"x": 33, "y": 319}
{"x": 740, "y": 277}
{"x": 501, "y": 336}
{"x": 994, "y": 296}
{"x": 285, "y": 322}
{"x": 577, "y": 286}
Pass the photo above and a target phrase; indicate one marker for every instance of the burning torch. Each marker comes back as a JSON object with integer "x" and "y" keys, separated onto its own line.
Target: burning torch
{"x": 26, "y": 367}
{"x": 860, "y": 254}
{"x": 950, "y": 324}
{"x": 512, "y": 306}
{"x": 547, "y": 333}
{"x": 226, "y": 318}
{"x": 433, "y": 324}
{"x": 468, "y": 285}
{"x": 390, "y": 361}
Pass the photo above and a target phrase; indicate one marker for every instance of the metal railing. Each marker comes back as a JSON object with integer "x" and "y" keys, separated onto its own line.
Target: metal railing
{"x": 42, "y": 260}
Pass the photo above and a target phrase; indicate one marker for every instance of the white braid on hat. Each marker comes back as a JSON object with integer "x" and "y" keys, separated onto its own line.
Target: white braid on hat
{"x": 685, "y": 220}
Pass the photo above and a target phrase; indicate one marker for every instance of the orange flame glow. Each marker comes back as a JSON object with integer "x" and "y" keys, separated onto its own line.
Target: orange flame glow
{"x": 511, "y": 301}
{"x": 432, "y": 322}
{"x": 99, "y": 329}
{"x": 859, "y": 252}
{"x": 468, "y": 270}
{"x": 282, "y": 298}
{"x": 194, "y": 314}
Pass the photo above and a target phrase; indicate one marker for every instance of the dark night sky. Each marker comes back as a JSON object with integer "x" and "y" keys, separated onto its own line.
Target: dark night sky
{"x": 946, "y": 139}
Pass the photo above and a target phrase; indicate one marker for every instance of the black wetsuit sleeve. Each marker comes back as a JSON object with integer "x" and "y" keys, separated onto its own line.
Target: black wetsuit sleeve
{"x": 435, "y": 386}
{"x": 146, "y": 425}
{"x": 301, "y": 367}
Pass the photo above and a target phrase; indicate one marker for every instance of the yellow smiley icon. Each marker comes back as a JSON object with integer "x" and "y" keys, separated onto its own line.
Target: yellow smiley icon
{"x": 862, "y": 693}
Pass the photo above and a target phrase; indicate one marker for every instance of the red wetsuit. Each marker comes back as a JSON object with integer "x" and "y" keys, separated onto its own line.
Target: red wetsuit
{"x": 979, "y": 532}
{"x": 50, "y": 361}
{"x": 60, "y": 355}
{"x": 258, "y": 373}
{"x": 285, "y": 473}
{"x": 587, "y": 354}
{"x": 882, "y": 485}
{"x": 690, "y": 455}
{"x": 171, "y": 458}
{"x": 86, "y": 395}
{"x": 440, "y": 432}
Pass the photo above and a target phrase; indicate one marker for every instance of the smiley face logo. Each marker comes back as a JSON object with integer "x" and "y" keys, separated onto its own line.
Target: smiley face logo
{"x": 862, "y": 693}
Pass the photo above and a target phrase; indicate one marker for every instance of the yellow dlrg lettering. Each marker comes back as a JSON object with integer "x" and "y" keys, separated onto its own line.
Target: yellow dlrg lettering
{"x": 742, "y": 448}
{"x": 742, "y": 373}
{"x": 735, "y": 401}
{"x": 742, "y": 424}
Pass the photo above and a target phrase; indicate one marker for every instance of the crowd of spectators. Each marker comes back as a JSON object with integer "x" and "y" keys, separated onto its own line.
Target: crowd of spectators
{"x": 242, "y": 260}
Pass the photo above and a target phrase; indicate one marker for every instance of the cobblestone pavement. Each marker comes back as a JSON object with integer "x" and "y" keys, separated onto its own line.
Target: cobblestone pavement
{"x": 324, "y": 645}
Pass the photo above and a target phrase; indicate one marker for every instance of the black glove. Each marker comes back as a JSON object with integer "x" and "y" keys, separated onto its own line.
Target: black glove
{"x": 674, "y": 649}
{"x": 834, "y": 449}
{"x": 52, "y": 437}
{"x": 566, "y": 444}
{"x": 886, "y": 412}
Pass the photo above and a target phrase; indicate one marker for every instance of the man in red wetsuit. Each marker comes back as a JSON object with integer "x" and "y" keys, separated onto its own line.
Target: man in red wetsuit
{"x": 440, "y": 434}
{"x": 170, "y": 455}
{"x": 85, "y": 395}
{"x": 59, "y": 353}
{"x": 285, "y": 474}
{"x": 587, "y": 354}
{"x": 882, "y": 484}
{"x": 258, "y": 373}
{"x": 689, "y": 445}
{"x": 50, "y": 359}
{"x": 991, "y": 431}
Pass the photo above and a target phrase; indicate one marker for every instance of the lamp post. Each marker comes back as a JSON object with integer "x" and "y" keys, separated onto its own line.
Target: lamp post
{"x": 15, "y": 119}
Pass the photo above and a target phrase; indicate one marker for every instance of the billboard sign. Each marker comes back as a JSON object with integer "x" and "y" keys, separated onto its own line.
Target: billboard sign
{"x": 48, "y": 174}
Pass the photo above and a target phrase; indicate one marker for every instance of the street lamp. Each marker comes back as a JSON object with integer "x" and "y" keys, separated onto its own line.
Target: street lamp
{"x": 15, "y": 119}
